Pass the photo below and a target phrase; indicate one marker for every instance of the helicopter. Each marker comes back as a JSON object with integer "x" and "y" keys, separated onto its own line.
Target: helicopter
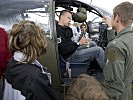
{"x": 44, "y": 13}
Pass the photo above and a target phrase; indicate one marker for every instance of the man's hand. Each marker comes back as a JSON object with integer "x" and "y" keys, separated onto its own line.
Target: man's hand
{"x": 84, "y": 40}
{"x": 107, "y": 20}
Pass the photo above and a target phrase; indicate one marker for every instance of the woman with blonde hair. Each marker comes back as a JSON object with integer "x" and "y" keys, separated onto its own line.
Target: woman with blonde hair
{"x": 86, "y": 87}
{"x": 25, "y": 77}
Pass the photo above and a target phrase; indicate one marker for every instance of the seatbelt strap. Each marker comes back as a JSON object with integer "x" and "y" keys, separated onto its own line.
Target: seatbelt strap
{"x": 68, "y": 69}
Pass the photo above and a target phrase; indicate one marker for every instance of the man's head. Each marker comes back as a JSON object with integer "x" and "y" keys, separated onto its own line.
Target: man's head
{"x": 122, "y": 15}
{"x": 83, "y": 27}
{"x": 65, "y": 18}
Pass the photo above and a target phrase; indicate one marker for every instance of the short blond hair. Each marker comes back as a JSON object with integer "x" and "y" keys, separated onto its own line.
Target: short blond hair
{"x": 28, "y": 38}
{"x": 86, "y": 87}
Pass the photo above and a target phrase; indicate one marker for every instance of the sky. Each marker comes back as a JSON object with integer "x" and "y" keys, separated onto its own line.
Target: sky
{"x": 107, "y": 4}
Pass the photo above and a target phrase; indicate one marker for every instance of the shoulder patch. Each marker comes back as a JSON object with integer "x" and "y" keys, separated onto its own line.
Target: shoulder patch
{"x": 112, "y": 54}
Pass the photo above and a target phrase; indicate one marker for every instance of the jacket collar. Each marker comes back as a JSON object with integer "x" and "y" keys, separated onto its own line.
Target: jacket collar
{"x": 18, "y": 56}
{"x": 124, "y": 31}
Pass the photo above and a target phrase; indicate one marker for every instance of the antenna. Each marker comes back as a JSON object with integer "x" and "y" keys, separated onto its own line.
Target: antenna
{"x": 91, "y": 2}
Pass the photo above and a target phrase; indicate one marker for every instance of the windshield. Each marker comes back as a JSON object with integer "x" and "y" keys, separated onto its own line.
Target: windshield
{"x": 37, "y": 11}
{"x": 102, "y": 11}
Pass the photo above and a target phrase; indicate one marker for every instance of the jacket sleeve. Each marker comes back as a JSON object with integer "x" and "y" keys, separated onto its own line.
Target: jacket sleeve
{"x": 110, "y": 35}
{"x": 8, "y": 53}
{"x": 66, "y": 46}
{"x": 114, "y": 72}
{"x": 40, "y": 89}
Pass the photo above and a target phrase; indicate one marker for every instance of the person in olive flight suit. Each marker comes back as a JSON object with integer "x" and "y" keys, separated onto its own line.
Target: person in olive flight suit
{"x": 118, "y": 71}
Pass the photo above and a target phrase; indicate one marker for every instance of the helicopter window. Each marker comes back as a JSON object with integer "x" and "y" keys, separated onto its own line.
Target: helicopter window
{"x": 40, "y": 16}
{"x": 39, "y": 12}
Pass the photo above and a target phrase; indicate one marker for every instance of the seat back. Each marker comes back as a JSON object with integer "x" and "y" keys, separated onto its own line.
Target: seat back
{"x": 76, "y": 68}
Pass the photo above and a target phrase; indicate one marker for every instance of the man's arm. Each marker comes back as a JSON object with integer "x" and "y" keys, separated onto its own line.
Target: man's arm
{"x": 110, "y": 34}
{"x": 110, "y": 31}
{"x": 65, "y": 45}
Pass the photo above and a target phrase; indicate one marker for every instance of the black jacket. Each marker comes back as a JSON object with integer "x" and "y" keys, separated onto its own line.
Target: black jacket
{"x": 66, "y": 46}
{"x": 30, "y": 81}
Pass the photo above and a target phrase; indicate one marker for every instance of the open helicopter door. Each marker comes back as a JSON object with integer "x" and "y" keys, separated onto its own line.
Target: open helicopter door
{"x": 51, "y": 58}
